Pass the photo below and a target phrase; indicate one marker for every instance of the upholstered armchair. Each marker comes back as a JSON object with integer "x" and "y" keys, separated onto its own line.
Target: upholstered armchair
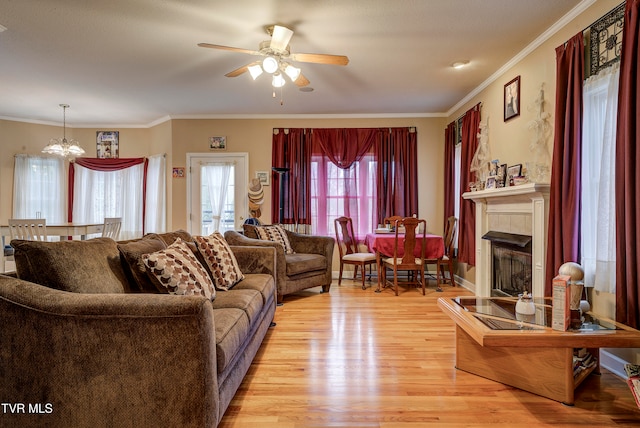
{"x": 308, "y": 266}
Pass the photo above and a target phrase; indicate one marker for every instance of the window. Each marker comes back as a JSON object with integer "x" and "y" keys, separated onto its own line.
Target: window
{"x": 339, "y": 192}
{"x": 456, "y": 186}
{"x": 100, "y": 194}
{"x": 39, "y": 188}
{"x": 598, "y": 240}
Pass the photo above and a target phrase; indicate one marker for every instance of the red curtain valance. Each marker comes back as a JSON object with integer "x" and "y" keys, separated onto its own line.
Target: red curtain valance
{"x": 343, "y": 146}
{"x": 98, "y": 164}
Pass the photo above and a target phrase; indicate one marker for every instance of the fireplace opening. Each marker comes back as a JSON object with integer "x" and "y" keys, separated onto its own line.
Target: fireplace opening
{"x": 511, "y": 256}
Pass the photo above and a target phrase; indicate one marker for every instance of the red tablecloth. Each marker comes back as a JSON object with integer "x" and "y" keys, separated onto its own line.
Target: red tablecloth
{"x": 384, "y": 243}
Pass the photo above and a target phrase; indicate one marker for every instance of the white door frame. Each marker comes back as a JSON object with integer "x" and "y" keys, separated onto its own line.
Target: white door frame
{"x": 241, "y": 183}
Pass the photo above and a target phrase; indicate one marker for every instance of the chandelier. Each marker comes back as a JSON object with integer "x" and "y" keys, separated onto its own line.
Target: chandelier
{"x": 63, "y": 147}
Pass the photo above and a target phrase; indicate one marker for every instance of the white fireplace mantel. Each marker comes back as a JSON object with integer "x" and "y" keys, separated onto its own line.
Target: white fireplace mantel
{"x": 522, "y": 209}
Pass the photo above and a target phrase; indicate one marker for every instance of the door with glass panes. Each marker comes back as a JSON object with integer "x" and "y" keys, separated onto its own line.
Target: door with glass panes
{"x": 216, "y": 192}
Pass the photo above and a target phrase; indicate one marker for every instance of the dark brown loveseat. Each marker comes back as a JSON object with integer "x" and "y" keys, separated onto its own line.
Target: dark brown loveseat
{"x": 309, "y": 265}
{"x": 87, "y": 349}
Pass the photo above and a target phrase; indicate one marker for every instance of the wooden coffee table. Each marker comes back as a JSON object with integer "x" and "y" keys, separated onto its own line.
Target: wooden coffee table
{"x": 493, "y": 343}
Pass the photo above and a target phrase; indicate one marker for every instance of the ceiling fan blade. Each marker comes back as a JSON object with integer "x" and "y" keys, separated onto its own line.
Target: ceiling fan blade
{"x": 238, "y": 71}
{"x": 320, "y": 58}
{"x": 280, "y": 38}
{"x": 301, "y": 81}
{"x": 229, "y": 48}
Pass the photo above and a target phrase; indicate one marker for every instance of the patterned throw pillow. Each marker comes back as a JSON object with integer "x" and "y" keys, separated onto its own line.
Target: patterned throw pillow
{"x": 275, "y": 233}
{"x": 222, "y": 263}
{"x": 177, "y": 269}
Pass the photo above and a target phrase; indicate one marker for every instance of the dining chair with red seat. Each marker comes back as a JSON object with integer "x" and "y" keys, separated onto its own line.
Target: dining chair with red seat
{"x": 350, "y": 254}
{"x": 404, "y": 257}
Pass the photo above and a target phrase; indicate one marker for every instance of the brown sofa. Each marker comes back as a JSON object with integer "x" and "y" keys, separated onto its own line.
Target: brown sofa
{"x": 82, "y": 346}
{"x": 309, "y": 266}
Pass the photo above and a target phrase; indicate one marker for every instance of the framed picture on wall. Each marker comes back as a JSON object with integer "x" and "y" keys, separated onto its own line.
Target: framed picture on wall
{"x": 107, "y": 144}
{"x": 512, "y": 99}
{"x": 263, "y": 176}
{"x": 218, "y": 143}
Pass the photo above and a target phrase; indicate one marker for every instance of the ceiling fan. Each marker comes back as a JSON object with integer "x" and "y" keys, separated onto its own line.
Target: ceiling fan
{"x": 277, "y": 58}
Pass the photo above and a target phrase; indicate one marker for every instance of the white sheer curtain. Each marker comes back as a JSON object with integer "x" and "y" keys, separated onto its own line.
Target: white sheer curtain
{"x": 99, "y": 194}
{"x": 215, "y": 180}
{"x": 598, "y": 244}
{"x": 155, "y": 218}
{"x": 39, "y": 188}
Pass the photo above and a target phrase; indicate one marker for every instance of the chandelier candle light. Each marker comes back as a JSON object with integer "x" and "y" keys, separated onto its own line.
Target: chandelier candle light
{"x": 63, "y": 147}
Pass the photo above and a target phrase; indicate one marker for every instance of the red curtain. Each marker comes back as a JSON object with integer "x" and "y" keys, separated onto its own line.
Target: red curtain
{"x": 394, "y": 148}
{"x": 563, "y": 244}
{"x": 628, "y": 174}
{"x": 449, "y": 170}
{"x": 291, "y": 148}
{"x": 397, "y": 154}
{"x": 467, "y": 223}
{"x": 111, "y": 164}
{"x": 343, "y": 146}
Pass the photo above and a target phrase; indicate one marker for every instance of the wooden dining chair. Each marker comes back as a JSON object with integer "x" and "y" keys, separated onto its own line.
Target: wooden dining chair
{"x": 447, "y": 259}
{"x": 404, "y": 257}
{"x": 350, "y": 254}
{"x": 391, "y": 220}
{"x": 111, "y": 227}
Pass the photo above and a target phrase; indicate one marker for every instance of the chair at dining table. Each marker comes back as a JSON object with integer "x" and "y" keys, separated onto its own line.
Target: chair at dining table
{"x": 349, "y": 251}
{"x": 31, "y": 229}
{"x": 391, "y": 220}
{"x": 404, "y": 258}
{"x": 448, "y": 257}
{"x": 111, "y": 227}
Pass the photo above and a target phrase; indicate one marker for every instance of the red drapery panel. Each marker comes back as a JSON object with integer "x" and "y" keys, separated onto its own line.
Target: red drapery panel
{"x": 467, "y": 229}
{"x": 449, "y": 170}
{"x": 628, "y": 174}
{"x": 563, "y": 244}
{"x": 397, "y": 154}
{"x": 343, "y": 146}
{"x": 111, "y": 164}
{"x": 291, "y": 148}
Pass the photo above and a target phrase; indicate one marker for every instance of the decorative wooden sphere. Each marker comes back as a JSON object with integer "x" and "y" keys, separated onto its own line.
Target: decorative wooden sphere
{"x": 574, "y": 270}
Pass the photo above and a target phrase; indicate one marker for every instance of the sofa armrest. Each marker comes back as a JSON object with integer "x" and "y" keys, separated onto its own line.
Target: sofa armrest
{"x": 311, "y": 244}
{"x": 106, "y": 357}
{"x": 234, "y": 238}
{"x": 253, "y": 259}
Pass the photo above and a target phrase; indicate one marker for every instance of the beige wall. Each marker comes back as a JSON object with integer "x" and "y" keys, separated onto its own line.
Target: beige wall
{"x": 509, "y": 141}
{"x": 254, "y": 137}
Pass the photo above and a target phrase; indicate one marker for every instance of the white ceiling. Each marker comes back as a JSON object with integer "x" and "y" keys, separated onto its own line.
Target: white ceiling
{"x": 136, "y": 62}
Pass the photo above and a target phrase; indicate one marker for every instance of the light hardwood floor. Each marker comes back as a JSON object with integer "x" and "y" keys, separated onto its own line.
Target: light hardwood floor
{"x": 355, "y": 358}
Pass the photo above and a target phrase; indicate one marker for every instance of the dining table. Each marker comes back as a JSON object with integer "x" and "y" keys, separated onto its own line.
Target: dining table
{"x": 382, "y": 243}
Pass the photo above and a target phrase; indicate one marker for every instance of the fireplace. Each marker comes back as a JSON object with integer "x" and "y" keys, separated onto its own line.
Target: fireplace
{"x": 520, "y": 210}
{"x": 511, "y": 272}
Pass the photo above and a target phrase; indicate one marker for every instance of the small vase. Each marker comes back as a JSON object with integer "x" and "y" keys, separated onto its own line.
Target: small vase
{"x": 525, "y": 305}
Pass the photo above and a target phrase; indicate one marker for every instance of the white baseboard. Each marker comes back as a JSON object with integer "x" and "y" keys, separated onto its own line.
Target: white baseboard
{"x": 613, "y": 363}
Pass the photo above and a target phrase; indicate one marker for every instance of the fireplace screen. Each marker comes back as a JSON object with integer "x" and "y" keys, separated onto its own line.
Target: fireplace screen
{"x": 512, "y": 263}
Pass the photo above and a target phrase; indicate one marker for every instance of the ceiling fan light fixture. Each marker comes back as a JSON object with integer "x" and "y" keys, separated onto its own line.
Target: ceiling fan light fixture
{"x": 270, "y": 64}
{"x": 278, "y": 81}
{"x": 255, "y": 71}
{"x": 292, "y": 72}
